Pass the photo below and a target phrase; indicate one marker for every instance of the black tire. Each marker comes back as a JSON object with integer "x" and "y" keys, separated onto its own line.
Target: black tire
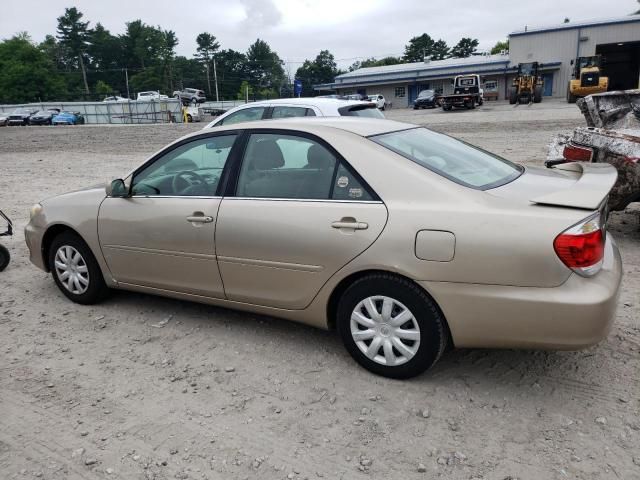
{"x": 5, "y": 257}
{"x": 571, "y": 98}
{"x": 97, "y": 289}
{"x": 446, "y": 108}
{"x": 189, "y": 118}
{"x": 472, "y": 104}
{"x": 513, "y": 95}
{"x": 415, "y": 107}
{"x": 432, "y": 326}
{"x": 537, "y": 94}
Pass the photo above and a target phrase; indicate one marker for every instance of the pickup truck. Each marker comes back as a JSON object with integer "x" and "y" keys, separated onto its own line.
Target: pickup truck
{"x": 466, "y": 93}
{"x": 612, "y": 135}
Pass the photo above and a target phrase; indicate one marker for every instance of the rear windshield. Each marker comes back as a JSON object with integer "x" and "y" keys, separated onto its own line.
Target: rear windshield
{"x": 451, "y": 158}
{"x": 370, "y": 111}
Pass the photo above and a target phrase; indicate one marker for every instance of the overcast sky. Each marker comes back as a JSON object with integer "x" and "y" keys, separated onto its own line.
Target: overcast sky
{"x": 299, "y": 29}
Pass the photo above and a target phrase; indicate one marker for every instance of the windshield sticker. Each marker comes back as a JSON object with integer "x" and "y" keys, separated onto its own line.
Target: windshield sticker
{"x": 343, "y": 182}
{"x": 355, "y": 192}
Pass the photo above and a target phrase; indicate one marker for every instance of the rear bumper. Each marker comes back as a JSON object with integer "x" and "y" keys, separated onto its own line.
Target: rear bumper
{"x": 577, "y": 314}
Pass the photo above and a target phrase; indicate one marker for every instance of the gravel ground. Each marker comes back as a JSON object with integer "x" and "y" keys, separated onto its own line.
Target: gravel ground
{"x": 142, "y": 387}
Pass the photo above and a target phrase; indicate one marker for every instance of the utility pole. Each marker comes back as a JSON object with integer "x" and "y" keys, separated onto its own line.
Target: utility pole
{"x": 215, "y": 76}
{"x": 126, "y": 77}
{"x": 208, "y": 77}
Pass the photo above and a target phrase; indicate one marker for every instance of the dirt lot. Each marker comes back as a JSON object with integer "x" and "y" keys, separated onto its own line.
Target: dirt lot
{"x": 101, "y": 392}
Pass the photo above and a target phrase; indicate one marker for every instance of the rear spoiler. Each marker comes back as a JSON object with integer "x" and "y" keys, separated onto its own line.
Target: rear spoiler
{"x": 590, "y": 190}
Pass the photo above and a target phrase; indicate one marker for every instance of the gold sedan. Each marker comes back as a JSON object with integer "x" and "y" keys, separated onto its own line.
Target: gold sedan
{"x": 404, "y": 240}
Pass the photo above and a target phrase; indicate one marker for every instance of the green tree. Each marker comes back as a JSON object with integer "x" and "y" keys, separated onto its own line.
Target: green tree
{"x": 205, "y": 51}
{"x": 321, "y": 70}
{"x": 264, "y": 67}
{"x": 232, "y": 70}
{"x": 103, "y": 88}
{"x": 27, "y": 74}
{"x": 54, "y": 51}
{"x": 440, "y": 50}
{"x": 166, "y": 53}
{"x": 105, "y": 58}
{"x": 373, "y": 62}
{"x": 418, "y": 47}
{"x": 72, "y": 33}
{"x": 500, "y": 46}
{"x": 465, "y": 48}
{"x": 189, "y": 72}
{"x": 245, "y": 91}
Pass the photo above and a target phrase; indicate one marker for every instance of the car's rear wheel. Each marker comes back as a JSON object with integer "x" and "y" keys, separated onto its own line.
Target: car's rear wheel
{"x": 75, "y": 270}
{"x": 390, "y": 326}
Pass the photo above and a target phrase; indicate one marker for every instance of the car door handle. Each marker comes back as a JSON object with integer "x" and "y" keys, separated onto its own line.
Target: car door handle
{"x": 352, "y": 225}
{"x": 199, "y": 219}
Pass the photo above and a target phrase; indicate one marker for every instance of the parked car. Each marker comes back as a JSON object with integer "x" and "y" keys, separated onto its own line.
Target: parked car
{"x": 44, "y": 117}
{"x": 21, "y": 115}
{"x": 403, "y": 239}
{"x": 151, "y": 96}
{"x": 612, "y": 135}
{"x": 68, "y": 118}
{"x": 378, "y": 100}
{"x": 115, "y": 98}
{"x": 190, "y": 95}
{"x": 4, "y": 119}
{"x": 426, "y": 99}
{"x": 297, "y": 107}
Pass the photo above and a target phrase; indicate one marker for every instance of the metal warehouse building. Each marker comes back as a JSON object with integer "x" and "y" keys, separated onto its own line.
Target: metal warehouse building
{"x": 617, "y": 40}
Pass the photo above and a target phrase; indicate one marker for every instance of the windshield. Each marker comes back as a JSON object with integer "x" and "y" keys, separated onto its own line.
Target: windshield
{"x": 370, "y": 111}
{"x": 451, "y": 158}
{"x": 22, "y": 110}
{"x": 426, "y": 93}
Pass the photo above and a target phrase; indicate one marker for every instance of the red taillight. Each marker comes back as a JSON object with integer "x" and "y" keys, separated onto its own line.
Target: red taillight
{"x": 575, "y": 153}
{"x": 581, "y": 247}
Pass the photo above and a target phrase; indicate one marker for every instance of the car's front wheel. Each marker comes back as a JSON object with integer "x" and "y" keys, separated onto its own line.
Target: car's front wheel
{"x": 75, "y": 270}
{"x": 391, "y": 326}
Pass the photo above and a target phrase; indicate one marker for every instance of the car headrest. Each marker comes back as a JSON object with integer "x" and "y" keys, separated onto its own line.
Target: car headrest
{"x": 318, "y": 157}
{"x": 180, "y": 165}
{"x": 266, "y": 154}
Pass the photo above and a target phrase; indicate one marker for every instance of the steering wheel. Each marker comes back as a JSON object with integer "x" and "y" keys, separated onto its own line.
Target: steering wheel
{"x": 183, "y": 177}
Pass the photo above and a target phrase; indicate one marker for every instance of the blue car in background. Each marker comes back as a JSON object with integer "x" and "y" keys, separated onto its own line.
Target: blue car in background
{"x": 68, "y": 118}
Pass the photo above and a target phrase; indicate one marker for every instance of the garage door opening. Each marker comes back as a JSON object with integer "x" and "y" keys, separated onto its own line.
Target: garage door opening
{"x": 621, "y": 63}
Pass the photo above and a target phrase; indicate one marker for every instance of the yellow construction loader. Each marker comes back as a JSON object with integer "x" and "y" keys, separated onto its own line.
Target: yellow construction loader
{"x": 528, "y": 85}
{"x": 586, "y": 79}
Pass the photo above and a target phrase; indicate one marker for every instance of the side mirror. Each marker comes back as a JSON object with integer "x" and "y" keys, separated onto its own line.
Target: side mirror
{"x": 571, "y": 62}
{"x": 117, "y": 189}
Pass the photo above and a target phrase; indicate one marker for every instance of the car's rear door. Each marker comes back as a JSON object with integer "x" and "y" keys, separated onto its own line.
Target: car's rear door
{"x": 163, "y": 235}
{"x": 296, "y": 215}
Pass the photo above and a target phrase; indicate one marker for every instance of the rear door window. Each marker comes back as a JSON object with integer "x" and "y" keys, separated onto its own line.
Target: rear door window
{"x": 245, "y": 115}
{"x": 285, "y": 112}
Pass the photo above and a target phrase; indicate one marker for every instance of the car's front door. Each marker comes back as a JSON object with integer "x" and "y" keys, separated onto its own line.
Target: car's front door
{"x": 298, "y": 215}
{"x": 163, "y": 235}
